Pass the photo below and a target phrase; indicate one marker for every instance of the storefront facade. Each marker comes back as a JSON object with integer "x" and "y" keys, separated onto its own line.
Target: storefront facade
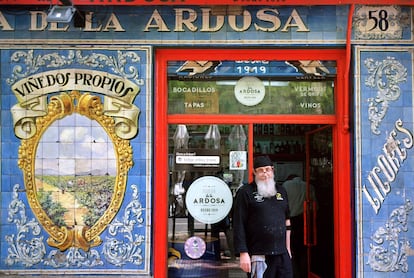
{"x": 126, "y": 132}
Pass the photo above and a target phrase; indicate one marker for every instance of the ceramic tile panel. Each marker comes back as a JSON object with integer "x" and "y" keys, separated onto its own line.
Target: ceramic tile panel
{"x": 384, "y": 187}
{"x": 67, "y": 202}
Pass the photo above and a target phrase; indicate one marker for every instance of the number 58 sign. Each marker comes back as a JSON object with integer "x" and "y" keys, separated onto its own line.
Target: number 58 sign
{"x": 379, "y": 23}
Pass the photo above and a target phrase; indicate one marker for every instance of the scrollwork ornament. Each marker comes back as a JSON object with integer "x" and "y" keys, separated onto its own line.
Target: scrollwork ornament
{"x": 31, "y": 63}
{"x": 118, "y": 64}
{"x": 124, "y": 63}
{"x": 26, "y": 246}
{"x": 385, "y": 76}
{"x": 119, "y": 252}
{"x": 388, "y": 250}
{"x": 74, "y": 257}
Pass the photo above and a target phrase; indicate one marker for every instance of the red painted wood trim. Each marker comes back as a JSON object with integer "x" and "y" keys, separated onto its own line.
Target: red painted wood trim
{"x": 208, "y": 2}
{"x": 343, "y": 191}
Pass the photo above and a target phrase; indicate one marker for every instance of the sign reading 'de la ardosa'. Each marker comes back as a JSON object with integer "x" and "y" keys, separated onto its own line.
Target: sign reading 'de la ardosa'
{"x": 209, "y": 199}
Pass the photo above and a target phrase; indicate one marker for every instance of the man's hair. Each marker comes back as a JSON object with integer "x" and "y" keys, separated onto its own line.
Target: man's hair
{"x": 262, "y": 161}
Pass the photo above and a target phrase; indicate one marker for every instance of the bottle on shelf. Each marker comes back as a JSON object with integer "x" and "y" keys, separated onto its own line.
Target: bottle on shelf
{"x": 265, "y": 148}
{"x": 271, "y": 147}
{"x": 277, "y": 148}
{"x": 265, "y": 129}
{"x": 257, "y": 148}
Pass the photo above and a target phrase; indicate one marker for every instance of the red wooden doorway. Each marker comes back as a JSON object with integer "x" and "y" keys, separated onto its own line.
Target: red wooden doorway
{"x": 342, "y": 191}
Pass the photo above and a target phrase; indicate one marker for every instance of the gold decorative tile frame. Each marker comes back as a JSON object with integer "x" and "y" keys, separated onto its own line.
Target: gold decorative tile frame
{"x": 60, "y": 106}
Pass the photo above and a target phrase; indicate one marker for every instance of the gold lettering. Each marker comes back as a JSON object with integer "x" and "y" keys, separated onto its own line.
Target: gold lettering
{"x": 180, "y": 21}
{"x": 55, "y": 27}
{"x": 38, "y": 22}
{"x": 4, "y": 25}
{"x": 267, "y": 16}
{"x": 186, "y": 19}
{"x": 34, "y": 17}
{"x": 247, "y": 20}
{"x": 159, "y": 23}
{"x": 206, "y": 21}
{"x": 88, "y": 23}
{"x": 113, "y": 23}
{"x": 295, "y": 20}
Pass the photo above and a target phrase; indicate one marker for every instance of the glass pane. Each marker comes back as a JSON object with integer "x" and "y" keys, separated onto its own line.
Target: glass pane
{"x": 209, "y": 162}
{"x": 320, "y": 232}
{"x": 251, "y": 87}
{"x": 207, "y": 165}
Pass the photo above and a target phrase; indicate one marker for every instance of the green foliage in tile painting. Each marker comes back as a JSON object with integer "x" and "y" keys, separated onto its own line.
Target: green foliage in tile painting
{"x": 84, "y": 198}
{"x": 96, "y": 196}
{"x": 53, "y": 209}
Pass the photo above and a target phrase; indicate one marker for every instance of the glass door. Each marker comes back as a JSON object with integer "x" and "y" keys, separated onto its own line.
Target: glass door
{"x": 207, "y": 164}
{"x": 302, "y": 156}
{"x": 319, "y": 208}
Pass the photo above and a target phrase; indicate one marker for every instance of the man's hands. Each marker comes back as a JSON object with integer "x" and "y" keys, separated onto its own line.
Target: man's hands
{"x": 245, "y": 262}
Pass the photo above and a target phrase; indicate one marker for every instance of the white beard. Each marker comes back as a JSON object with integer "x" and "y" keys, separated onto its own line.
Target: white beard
{"x": 266, "y": 188}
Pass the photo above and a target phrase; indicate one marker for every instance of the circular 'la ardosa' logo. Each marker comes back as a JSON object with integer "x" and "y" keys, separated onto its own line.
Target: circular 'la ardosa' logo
{"x": 249, "y": 90}
{"x": 209, "y": 199}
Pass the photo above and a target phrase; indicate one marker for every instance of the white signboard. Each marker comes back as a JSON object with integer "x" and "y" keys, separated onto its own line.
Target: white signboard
{"x": 209, "y": 199}
{"x": 249, "y": 91}
{"x": 197, "y": 159}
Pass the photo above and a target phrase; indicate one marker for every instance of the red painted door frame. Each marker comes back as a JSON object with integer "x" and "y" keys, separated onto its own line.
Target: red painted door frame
{"x": 343, "y": 216}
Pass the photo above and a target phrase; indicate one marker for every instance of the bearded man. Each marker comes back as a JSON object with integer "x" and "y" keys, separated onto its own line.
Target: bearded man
{"x": 261, "y": 225}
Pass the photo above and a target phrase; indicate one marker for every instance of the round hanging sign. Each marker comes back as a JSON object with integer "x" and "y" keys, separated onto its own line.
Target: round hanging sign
{"x": 209, "y": 199}
{"x": 249, "y": 90}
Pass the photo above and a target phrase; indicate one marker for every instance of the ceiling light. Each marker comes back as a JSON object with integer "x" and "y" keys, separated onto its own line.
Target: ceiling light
{"x": 61, "y": 14}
